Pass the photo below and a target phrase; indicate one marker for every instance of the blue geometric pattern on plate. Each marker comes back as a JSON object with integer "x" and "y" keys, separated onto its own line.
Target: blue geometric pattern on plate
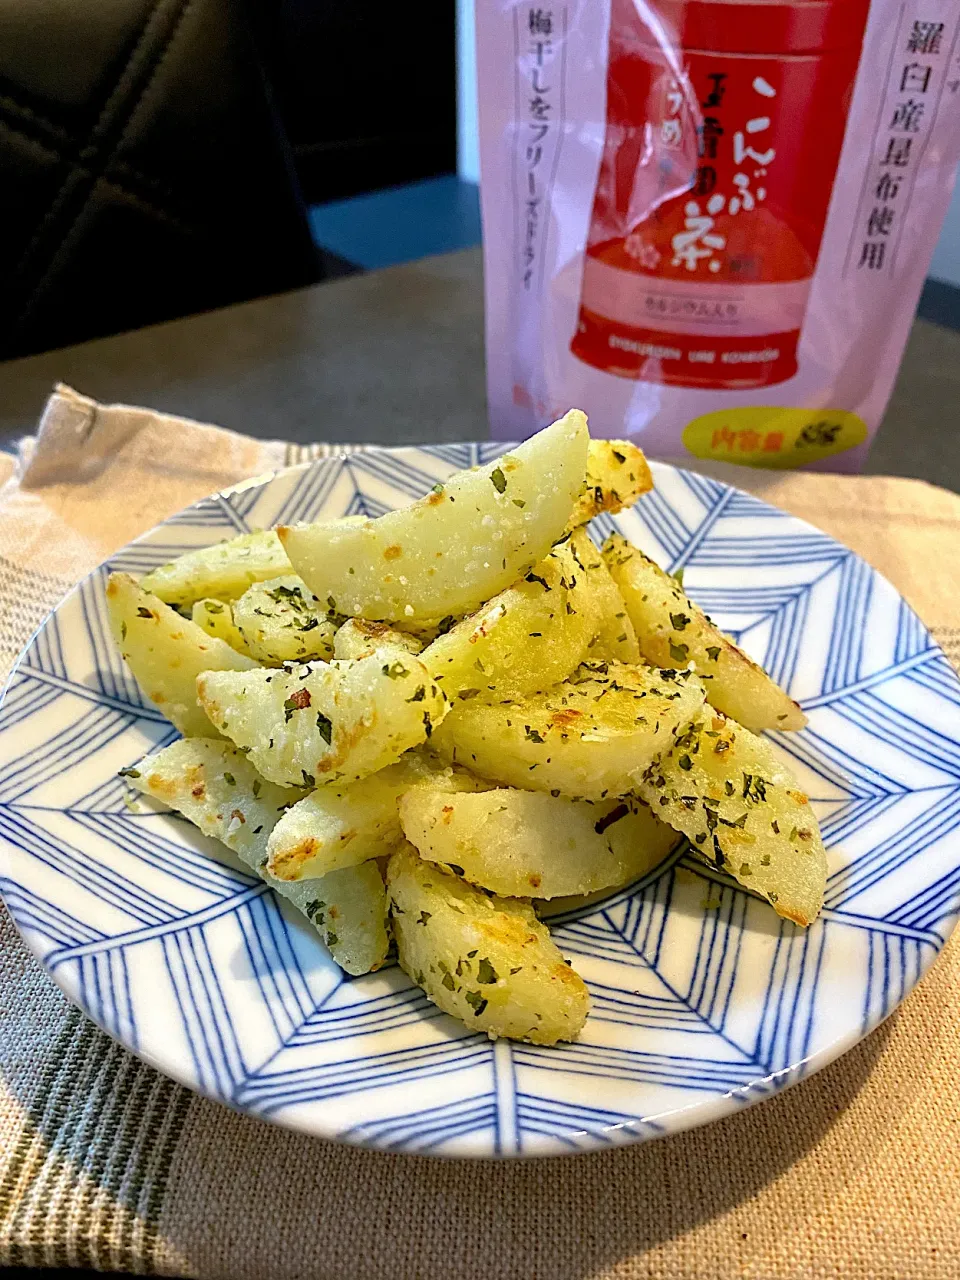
{"x": 703, "y": 999}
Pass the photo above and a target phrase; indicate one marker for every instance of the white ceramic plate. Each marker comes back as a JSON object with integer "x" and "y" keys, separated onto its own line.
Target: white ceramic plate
{"x": 703, "y": 1000}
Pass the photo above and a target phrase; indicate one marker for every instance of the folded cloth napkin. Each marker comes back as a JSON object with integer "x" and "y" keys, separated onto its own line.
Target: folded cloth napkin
{"x": 105, "y": 1163}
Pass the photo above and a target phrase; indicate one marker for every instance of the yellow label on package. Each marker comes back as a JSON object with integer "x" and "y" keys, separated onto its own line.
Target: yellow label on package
{"x": 777, "y": 438}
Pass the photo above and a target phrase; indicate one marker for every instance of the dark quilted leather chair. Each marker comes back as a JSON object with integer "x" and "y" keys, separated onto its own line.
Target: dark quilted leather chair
{"x": 142, "y": 171}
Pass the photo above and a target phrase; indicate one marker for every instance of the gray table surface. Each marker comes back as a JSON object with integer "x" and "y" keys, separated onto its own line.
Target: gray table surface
{"x": 394, "y": 357}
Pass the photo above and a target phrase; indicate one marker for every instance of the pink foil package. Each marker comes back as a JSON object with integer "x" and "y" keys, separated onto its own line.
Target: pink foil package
{"x": 707, "y": 222}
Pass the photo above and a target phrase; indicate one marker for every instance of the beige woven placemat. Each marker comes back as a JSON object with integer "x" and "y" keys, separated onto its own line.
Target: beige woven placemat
{"x": 104, "y": 1163}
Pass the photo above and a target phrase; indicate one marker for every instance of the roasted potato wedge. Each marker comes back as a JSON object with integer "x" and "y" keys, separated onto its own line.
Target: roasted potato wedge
{"x": 672, "y": 630}
{"x": 216, "y": 619}
{"x": 486, "y": 960}
{"x": 215, "y": 786}
{"x": 589, "y": 738}
{"x": 282, "y": 621}
{"x": 338, "y": 826}
{"x": 167, "y": 652}
{"x": 358, "y": 638}
{"x": 526, "y": 638}
{"x": 614, "y": 637}
{"x": 223, "y": 571}
{"x": 617, "y": 474}
{"x": 523, "y": 844}
{"x": 729, "y": 793}
{"x": 349, "y": 910}
{"x": 321, "y": 723}
{"x": 452, "y": 550}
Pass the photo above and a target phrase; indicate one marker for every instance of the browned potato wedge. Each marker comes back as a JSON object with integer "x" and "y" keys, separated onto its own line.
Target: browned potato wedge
{"x": 452, "y": 550}
{"x": 223, "y": 571}
{"x": 167, "y": 652}
{"x": 338, "y": 826}
{"x": 486, "y": 960}
{"x": 281, "y": 620}
{"x": 323, "y": 723}
{"x": 729, "y": 793}
{"x": 590, "y": 737}
{"x": 617, "y": 474}
{"x": 526, "y": 638}
{"x": 615, "y": 638}
{"x": 524, "y": 844}
{"x": 349, "y": 910}
{"x": 215, "y": 786}
{"x": 672, "y": 630}
{"x": 216, "y": 619}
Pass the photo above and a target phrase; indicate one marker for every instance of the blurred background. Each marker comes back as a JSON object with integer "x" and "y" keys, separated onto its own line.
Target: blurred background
{"x": 162, "y": 159}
